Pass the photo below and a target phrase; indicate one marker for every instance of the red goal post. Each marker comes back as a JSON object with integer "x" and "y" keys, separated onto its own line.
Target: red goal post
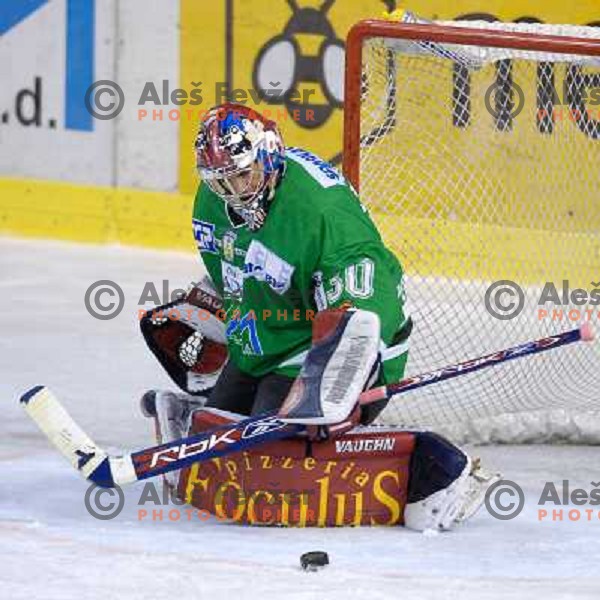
{"x": 370, "y": 28}
{"x": 466, "y": 197}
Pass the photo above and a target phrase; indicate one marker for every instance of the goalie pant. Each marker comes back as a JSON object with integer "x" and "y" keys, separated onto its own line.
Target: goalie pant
{"x": 371, "y": 476}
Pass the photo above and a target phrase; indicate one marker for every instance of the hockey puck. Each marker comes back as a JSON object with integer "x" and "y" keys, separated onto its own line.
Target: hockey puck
{"x": 312, "y": 561}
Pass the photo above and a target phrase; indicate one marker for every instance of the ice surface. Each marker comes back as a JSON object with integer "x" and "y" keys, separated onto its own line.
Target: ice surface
{"x": 50, "y": 547}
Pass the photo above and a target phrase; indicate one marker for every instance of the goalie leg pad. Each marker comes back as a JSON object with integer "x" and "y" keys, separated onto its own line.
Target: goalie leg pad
{"x": 336, "y": 369}
{"x": 446, "y": 486}
{"x": 357, "y": 479}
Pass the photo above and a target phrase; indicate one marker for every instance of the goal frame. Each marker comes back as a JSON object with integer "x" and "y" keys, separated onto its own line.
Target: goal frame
{"x": 543, "y": 423}
{"x": 370, "y": 28}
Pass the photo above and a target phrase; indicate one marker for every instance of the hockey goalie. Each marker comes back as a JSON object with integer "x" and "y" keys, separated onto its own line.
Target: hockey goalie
{"x": 301, "y": 309}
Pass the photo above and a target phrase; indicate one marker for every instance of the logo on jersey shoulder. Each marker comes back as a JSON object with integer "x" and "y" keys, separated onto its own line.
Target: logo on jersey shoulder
{"x": 204, "y": 234}
{"x": 368, "y": 445}
{"x": 327, "y": 175}
{"x": 264, "y": 265}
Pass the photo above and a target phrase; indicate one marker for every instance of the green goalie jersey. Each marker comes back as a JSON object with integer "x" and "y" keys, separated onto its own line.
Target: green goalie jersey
{"x": 318, "y": 249}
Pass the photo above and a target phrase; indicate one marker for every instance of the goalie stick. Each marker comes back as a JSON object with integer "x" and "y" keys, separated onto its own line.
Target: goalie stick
{"x": 105, "y": 470}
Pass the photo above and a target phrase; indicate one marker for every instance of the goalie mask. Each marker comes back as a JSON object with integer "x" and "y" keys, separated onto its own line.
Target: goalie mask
{"x": 241, "y": 157}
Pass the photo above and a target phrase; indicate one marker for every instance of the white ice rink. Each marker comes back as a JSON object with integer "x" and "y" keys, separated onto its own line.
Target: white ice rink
{"x": 51, "y": 548}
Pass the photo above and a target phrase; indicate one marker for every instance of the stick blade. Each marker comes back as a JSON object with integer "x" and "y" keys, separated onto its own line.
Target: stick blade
{"x": 66, "y": 436}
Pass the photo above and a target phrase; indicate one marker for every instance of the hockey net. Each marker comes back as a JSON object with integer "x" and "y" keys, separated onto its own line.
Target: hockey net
{"x": 476, "y": 148}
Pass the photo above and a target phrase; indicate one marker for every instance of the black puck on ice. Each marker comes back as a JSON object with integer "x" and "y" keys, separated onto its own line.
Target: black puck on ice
{"x": 311, "y": 561}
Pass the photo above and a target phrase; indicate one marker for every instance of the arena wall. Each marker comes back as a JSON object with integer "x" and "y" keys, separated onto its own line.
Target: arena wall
{"x": 130, "y": 179}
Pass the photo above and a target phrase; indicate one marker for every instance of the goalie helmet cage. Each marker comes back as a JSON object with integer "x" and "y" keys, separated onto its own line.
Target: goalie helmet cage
{"x": 476, "y": 148}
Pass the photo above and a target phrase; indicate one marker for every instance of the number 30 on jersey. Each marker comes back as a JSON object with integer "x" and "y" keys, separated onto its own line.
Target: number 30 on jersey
{"x": 356, "y": 280}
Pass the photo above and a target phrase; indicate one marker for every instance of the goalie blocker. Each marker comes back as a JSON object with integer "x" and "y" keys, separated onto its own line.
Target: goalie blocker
{"x": 338, "y": 367}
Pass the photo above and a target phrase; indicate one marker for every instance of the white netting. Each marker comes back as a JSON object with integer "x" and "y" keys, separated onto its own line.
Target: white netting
{"x": 468, "y": 192}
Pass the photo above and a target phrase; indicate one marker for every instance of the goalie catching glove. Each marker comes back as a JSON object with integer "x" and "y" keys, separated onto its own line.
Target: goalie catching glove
{"x": 338, "y": 367}
{"x": 188, "y": 338}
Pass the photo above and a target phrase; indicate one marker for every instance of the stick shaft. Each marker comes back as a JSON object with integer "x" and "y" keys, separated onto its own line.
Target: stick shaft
{"x": 476, "y": 364}
{"x": 235, "y": 437}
